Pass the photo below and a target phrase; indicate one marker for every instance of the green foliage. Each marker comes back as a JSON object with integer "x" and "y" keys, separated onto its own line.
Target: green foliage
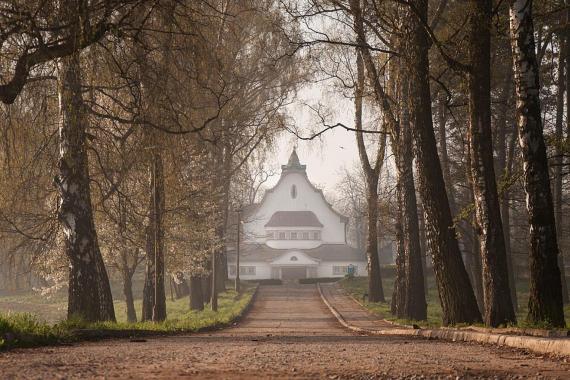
{"x": 25, "y": 330}
{"x": 359, "y": 285}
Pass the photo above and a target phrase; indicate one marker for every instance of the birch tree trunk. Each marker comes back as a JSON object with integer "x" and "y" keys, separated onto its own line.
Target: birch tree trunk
{"x": 413, "y": 301}
{"x": 496, "y": 292}
{"x": 89, "y": 295}
{"x": 415, "y": 305}
{"x": 456, "y": 294}
{"x": 545, "y": 300}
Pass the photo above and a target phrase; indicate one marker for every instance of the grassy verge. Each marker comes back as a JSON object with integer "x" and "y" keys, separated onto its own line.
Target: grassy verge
{"x": 26, "y": 330}
{"x": 359, "y": 285}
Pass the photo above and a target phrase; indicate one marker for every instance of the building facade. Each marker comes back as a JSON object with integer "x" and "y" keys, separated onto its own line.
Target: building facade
{"x": 294, "y": 233}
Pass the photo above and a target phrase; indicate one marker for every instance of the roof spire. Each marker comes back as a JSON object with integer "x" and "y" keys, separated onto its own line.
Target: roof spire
{"x": 294, "y": 163}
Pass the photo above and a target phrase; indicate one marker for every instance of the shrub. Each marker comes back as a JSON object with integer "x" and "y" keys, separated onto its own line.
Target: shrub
{"x": 318, "y": 279}
{"x": 272, "y": 281}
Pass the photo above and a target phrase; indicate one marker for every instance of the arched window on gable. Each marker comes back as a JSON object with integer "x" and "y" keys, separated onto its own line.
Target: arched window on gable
{"x": 294, "y": 191}
{"x": 293, "y": 258}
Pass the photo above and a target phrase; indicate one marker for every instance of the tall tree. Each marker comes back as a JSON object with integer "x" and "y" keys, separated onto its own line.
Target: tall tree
{"x": 559, "y": 158}
{"x": 545, "y": 300}
{"x": 498, "y": 303}
{"x": 89, "y": 294}
{"x": 456, "y": 294}
{"x": 372, "y": 175}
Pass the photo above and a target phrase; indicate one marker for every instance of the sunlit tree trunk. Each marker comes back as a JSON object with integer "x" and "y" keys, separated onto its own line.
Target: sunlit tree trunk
{"x": 89, "y": 294}
{"x": 496, "y": 292}
{"x": 545, "y": 299}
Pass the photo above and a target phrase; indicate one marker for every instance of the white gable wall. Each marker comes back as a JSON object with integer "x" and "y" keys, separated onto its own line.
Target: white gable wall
{"x": 307, "y": 199}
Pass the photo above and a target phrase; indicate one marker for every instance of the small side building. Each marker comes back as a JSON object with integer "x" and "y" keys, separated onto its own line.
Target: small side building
{"x": 294, "y": 233}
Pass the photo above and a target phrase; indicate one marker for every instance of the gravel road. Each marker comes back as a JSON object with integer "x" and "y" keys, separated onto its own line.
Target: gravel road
{"x": 289, "y": 333}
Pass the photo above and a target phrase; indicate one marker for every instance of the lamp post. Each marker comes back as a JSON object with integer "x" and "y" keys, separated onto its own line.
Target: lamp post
{"x": 237, "y": 284}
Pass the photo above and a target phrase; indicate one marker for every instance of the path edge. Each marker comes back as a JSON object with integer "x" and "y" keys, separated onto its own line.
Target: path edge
{"x": 555, "y": 346}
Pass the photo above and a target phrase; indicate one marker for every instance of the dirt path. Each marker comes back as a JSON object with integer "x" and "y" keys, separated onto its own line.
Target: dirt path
{"x": 288, "y": 333}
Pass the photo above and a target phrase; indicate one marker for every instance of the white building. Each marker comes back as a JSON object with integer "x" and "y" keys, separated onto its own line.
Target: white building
{"x": 294, "y": 233}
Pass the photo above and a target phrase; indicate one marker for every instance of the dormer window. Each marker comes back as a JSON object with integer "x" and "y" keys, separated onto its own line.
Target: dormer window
{"x": 293, "y": 191}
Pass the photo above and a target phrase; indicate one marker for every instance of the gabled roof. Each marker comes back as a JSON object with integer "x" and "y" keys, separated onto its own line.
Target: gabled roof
{"x": 294, "y": 219}
{"x": 294, "y": 166}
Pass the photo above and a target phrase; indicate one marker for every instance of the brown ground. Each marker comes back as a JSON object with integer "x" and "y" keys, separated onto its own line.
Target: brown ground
{"x": 288, "y": 333}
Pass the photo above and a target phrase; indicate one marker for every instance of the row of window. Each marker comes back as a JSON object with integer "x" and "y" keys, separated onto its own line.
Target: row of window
{"x": 344, "y": 269}
{"x": 337, "y": 270}
{"x": 294, "y": 235}
{"x": 243, "y": 270}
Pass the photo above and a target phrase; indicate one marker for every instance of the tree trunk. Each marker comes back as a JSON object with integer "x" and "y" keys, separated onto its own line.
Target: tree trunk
{"x": 474, "y": 258}
{"x": 443, "y": 154}
{"x": 398, "y": 301}
{"x": 154, "y": 294}
{"x": 414, "y": 302}
{"x": 128, "y": 292}
{"x": 423, "y": 246}
{"x": 181, "y": 288}
{"x": 214, "y": 290}
{"x": 559, "y": 162}
{"x": 207, "y": 287}
{"x": 372, "y": 174}
{"x": 89, "y": 295}
{"x": 196, "y": 294}
{"x": 504, "y": 172}
{"x": 456, "y": 294}
{"x": 496, "y": 292}
{"x": 415, "y": 306}
{"x": 545, "y": 300}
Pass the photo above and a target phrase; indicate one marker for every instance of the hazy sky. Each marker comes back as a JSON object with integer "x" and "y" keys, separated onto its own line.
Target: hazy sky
{"x": 327, "y": 155}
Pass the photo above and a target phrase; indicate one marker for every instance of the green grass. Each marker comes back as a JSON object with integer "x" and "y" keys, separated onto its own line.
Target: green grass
{"x": 359, "y": 285}
{"x": 26, "y": 330}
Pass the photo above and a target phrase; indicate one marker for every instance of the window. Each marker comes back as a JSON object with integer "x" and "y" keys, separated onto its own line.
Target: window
{"x": 293, "y": 191}
{"x": 316, "y": 235}
{"x": 247, "y": 271}
{"x": 282, "y": 235}
{"x": 344, "y": 269}
{"x": 270, "y": 235}
{"x": 305, "y": 236}
{"x": 232, "y": 270}
{"x": 340, "y": 270}
{"x": 293, "y": 258}
{"x": 293, "y": 236}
